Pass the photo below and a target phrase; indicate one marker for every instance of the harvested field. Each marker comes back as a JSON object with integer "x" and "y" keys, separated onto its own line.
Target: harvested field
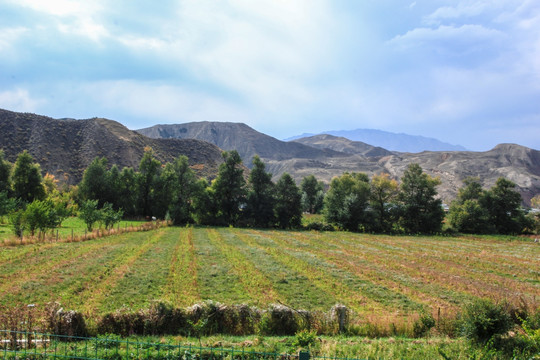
{"x": 378, "y": 277}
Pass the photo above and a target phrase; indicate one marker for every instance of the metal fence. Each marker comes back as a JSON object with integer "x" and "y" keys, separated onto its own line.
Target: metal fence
{"x": 33, "y": 345}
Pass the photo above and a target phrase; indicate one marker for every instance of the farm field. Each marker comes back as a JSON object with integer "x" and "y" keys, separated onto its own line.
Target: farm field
{"x": 378, "y": 277}
{"x": 71, "y": 225}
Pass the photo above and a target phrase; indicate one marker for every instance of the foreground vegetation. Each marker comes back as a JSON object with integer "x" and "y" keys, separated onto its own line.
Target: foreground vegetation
{"x": 254, "y": 347}
{"x": 378, "y": 277}
{"x": 391, "y": 286}
{"x": 36, "y": 206}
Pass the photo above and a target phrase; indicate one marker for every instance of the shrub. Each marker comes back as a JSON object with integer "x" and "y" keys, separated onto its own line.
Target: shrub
{"x": 423, "y": 325}
{"x": 483, "y": 321}
{"x": 305, "y": 338}
{"x": 319, "y": 226}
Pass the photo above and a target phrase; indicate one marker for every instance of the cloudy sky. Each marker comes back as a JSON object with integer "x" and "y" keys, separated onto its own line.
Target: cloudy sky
{"x": 464, "y": 72}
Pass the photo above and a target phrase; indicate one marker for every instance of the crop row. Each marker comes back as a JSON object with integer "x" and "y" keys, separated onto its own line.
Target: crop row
{"x": 373, "y": 275}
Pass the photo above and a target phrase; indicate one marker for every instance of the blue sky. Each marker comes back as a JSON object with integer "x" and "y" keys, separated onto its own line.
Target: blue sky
{"x": 465, "y": 72}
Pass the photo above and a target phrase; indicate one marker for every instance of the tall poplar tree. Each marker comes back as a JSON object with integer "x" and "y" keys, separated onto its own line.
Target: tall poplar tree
{"x": 229, "y": 188}
{"x": 260, "y": 197}
{"x": 420, "y": 211}
{"x": 27, "y": 179}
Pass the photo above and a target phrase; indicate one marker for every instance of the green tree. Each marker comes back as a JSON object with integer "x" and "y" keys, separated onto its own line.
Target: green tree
{"x": 288, "y": 206}
{"x": 229, "y": 188}
{"x": 89, "y": 213}
{"x": 420, "y": 211}
{"x": 27, "y": 180}
{"x": 95, "y": 182}
{"x": 467, "y": 213}
{"x": 346, "y": 201}
{"x": 535, "y": 202}
{"x": 18, "y": 225}
{"x": 503, "y": 203}
{"x": 147, "y": 178}
{"x": 114, "y": 182}
{"x": 127, "y": 192}
{"x": 5, "y": 172}
{"x": 7, "y": 205}
{"x": 42, "y": 216}
{"x": 109, "y": 216}
{"x": 184, "y": 188}
{"x": 204, "y": 207}
{"x": 382, "y": 198}
{"x": 260, "y": 197}
{"x": 312, "y": 194}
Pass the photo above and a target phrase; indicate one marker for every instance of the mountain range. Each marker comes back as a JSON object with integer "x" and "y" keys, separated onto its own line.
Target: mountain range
{"x": 390, "y": 141}
{"x": 326, "y": 156}
{"x": 65, "y": 147}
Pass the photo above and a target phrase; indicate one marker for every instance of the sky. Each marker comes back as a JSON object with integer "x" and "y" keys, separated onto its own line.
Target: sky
{"x": 466, "y": 72}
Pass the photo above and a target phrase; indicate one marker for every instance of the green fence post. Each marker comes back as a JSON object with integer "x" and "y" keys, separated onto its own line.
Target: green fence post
{"x": 303, "y": 355}
{"x": 127, "y": 349}
{"x": 25, "y": 340}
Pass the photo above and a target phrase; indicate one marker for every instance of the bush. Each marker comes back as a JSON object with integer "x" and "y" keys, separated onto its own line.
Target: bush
{"x": 483, "y": 321}
{"x": 305, "y": 338}
{"x": 423, "y": 325}
{"x": 319, "y": 226}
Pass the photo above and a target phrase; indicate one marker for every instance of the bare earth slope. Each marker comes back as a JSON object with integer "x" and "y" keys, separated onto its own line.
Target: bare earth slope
{"x": 65, "y": 147}
{"x": 341, "y": 144}
{"x": 514, "y": 162}
{"x": 326, "y": 156}
{"x": 240, "y": 137}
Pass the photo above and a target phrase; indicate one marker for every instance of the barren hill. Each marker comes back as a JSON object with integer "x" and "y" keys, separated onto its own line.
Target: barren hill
{"x": 326, "y": 156}
{"x": 240, "y": 137}
{"x": 390, "y": 141}
{"x": 65, "y": 147}
{"x": 341, "y": 144}
{"x": 514, "y": 162}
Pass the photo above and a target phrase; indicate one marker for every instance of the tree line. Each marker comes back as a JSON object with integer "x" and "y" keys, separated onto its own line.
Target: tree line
{"x": 352, "y": 201}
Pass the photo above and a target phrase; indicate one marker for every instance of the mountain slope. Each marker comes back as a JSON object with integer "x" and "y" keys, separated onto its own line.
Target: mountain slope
{"x": 390, "y": 141}
{"x": 65, "y": 147}
{"x": 341, "y": 144}
{"x": 514, "y": 162}
{"x": 237, "y": 136}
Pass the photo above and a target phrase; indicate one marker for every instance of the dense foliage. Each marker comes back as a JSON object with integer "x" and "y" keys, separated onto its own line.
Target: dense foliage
{"x": 353, "y": 201}
{"x": 480, "y": 211}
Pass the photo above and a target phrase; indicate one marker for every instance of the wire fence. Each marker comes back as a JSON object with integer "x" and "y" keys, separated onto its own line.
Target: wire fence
{"x": 33, "y": 345}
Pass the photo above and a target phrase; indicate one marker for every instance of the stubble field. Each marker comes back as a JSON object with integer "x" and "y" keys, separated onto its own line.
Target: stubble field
{"x": 381, "y": 278}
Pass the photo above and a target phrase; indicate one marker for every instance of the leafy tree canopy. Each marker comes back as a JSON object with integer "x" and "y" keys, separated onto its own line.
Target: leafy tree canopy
{"x": 420, "y": 211}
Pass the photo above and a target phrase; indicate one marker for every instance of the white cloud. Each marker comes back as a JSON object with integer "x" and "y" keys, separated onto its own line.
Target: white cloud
{"x": 68, "y": 16}
{"x": 61, "y": 7}
{"x": 444, "y": 35}
{"x": 19, "y": 100}
{"x": 8, "y": 37}
{"x": 160, "y": 102}
{"x": 264, "y": 50}
{"x": 460, "y": 10}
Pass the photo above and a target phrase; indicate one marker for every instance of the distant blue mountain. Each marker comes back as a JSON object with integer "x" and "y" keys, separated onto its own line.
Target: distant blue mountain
{"x": 390, "y": 141}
